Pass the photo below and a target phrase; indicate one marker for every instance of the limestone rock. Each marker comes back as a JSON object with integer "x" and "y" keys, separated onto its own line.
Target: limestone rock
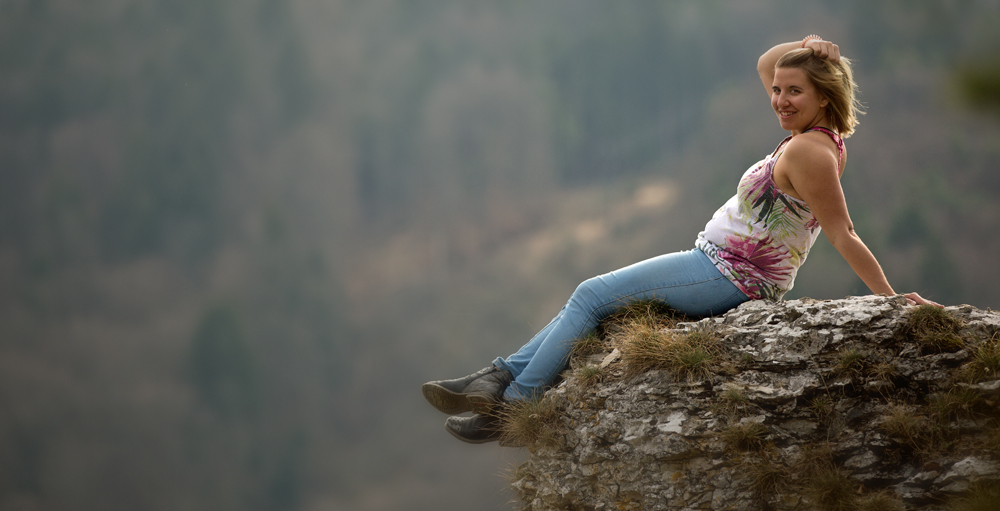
{"x": 838, "y": 392}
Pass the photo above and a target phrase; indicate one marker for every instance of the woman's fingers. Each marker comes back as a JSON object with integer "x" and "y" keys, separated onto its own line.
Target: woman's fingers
{"x": 915, "y": 299}
{"x": 834, "y": 53}
{"x": 824, "y": 49}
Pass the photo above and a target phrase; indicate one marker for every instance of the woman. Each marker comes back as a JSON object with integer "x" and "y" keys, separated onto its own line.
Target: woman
{"x": 750, "y": 249}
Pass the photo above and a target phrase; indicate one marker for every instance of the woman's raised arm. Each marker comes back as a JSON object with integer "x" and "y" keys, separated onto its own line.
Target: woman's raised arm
{"x": 766, "y": 62}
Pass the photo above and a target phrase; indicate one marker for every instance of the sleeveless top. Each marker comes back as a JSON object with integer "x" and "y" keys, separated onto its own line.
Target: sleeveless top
{"x": 760, "y": 237}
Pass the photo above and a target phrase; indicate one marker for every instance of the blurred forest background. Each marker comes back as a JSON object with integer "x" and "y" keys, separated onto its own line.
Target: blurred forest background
{"x": 236, "y": 236}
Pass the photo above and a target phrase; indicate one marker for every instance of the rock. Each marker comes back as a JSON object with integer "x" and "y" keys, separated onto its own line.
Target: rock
{"x": 809, "y": 391}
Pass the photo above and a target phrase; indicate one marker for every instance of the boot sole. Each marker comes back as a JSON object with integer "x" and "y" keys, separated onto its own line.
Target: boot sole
{"x": 446, "y": 401}
{"x": 473, "y": 441}
{"x": 454, "y": 403}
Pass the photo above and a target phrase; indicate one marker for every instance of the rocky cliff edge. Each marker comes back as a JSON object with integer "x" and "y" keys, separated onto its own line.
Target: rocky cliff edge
{"x": 862, "y": 403}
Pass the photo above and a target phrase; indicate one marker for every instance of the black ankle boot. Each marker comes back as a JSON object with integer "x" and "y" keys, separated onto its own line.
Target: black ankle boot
{"x": 476, "y": 392}
{"x": 478, "y": 429}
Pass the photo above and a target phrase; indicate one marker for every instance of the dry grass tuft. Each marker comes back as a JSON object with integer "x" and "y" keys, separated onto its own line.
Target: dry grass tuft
{"x": 528, "y": 422}
{"x": 934, "y": 329}
{"x": 644, "y": 348}
{"x": 735, "y": 394}
{"x": 884, "y": 500}
{"x": 653, "y": 313}
{"x": 958, "y": 402}
{"x": 822, "y": 406}
{"x": 766, "y": 478}
{"x": 985, "y": 364}
{"x": 747, "y": 436}
{"x": 903, "y": 424}
{"x": 693, "y": 355}
{"x": 590, "y": 375}
{"x": 829, "y": 489}
{"x": 992, "y": 441}
{"x": 732, "y": 400}
{"x": 980, "y": 497}
{"x": 592, "y": 344}
{"x": 885, "y": 371}
{"x": 850, "y": 362}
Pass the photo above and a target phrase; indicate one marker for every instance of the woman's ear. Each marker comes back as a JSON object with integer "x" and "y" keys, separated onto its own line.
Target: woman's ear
{"x": 823, "y": 102}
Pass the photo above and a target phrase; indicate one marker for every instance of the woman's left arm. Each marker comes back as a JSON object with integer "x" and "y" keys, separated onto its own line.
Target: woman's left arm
{"x": 812, "y": 171}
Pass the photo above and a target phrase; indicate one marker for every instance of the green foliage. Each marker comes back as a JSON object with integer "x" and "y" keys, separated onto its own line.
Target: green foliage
{"x": 613, "y": 122}
{"x": 223, "y": 368}
{"x": 909, "y": 227}
{"x": 142, "y": 143}
{"x": 979, "y": 84}
{"x": 939, "y": 271}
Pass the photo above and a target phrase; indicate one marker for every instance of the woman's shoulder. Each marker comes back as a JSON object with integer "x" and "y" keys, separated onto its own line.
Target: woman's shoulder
{"x": 813, "y": 149}
{"x": 817, "y": 141}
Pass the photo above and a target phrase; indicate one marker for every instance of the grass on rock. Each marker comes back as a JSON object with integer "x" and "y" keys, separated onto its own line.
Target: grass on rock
{"x": 905, "y": 425}
{"x": 958, "y": 402}
{"x": 746, "y": 436}
{"x": 934, "y": 329}
{"x": 590, "y": 375}
{"x": 980, "y": 497}
{"x": 851, "y": 362}
{"x": 693, "y": 355}
{"x": 592, "y": 344}
{"x": 985, "y": 364}
{"x": 529, "y": 422}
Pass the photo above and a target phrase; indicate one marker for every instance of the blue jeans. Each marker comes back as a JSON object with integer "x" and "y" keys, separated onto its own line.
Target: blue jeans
{"x": 686, "y": 281}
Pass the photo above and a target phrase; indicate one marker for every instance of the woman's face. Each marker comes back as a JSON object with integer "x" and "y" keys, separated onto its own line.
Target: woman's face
{"x": 796, "y": 101}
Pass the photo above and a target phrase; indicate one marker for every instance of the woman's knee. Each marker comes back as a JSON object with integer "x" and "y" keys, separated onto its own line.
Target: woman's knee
{"x": 593, "y": 287}
{"x": 589, "y": 294}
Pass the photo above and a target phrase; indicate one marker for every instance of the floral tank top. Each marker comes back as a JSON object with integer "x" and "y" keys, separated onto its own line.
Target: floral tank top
{"x": 760, "y": 237}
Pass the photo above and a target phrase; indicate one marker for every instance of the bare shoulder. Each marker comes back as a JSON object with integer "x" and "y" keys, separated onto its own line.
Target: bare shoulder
{"x": 809, "y": 161}
{"x": 812, "y": 151}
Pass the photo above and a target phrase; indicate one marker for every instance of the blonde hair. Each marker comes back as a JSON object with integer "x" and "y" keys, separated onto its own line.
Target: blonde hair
{"x": 833, "y": 81}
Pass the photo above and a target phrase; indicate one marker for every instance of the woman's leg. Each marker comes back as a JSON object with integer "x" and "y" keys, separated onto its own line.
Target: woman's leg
{"x": 686, "y": 281}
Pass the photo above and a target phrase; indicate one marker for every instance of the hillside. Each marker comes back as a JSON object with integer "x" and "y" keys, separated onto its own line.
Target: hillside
{"x": 235, "y": 235}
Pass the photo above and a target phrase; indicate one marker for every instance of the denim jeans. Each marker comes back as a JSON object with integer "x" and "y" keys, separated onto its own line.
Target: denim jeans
{"x": 686, "y": 281}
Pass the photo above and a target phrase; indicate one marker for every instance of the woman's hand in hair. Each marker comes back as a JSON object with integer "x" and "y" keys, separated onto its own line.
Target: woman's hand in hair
{"x": 824, "y": 49}
{"x": 915, "y": 299}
